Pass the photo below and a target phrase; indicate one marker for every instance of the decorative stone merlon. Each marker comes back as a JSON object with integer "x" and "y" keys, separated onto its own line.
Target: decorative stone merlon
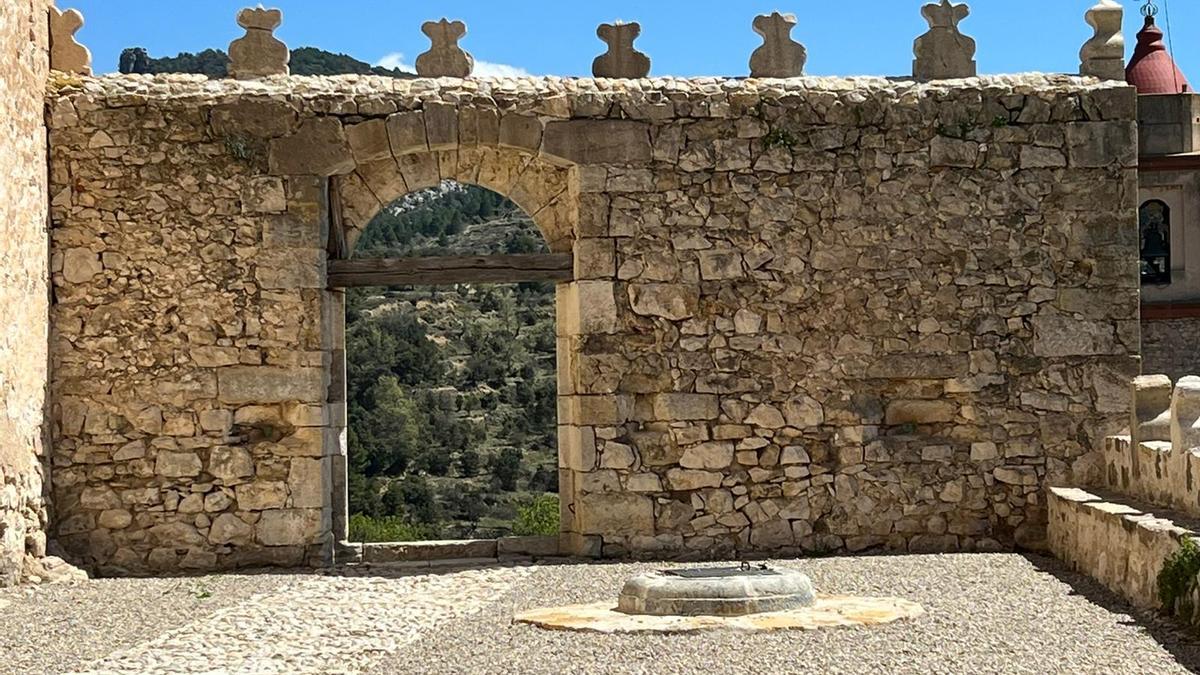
{"x": 1150, "y": 414}
{"x": 944, "y": 53}
{"x": 621, "y": 61}
{"x": 258, "y": 53}
{"x": 445, "y": 58}
{"x": 1103, "y": 56}
{"x": 780, "y": 55}
{"x": 66, "y": 54}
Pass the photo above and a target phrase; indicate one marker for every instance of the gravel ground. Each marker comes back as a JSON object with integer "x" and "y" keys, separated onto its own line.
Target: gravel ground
{"x": 985, "y": 614}
{"x": 56, "y": 629}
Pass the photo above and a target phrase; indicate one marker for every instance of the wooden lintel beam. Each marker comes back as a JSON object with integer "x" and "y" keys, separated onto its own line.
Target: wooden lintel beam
{"x": 482, "y": 269}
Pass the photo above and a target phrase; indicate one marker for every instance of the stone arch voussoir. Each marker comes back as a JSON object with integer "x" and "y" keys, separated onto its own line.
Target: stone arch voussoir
{"x": 545, "y": 191}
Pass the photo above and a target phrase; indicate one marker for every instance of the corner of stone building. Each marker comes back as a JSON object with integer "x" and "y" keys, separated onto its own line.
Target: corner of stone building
{"x": 24, "y": 294}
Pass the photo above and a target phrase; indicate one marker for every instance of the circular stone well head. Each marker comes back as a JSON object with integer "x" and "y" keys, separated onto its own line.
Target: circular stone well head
{"x": 716, "y": 591}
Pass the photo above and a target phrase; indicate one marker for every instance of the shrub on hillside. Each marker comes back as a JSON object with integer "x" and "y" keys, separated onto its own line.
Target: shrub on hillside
{"x": 538, "y": 517}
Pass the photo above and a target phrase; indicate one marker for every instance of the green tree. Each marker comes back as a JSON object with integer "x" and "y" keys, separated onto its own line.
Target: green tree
{"x": 506, "y": 469}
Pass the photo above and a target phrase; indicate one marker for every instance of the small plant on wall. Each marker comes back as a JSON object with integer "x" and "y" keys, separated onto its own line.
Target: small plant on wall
{"x": 1178, "y": 577}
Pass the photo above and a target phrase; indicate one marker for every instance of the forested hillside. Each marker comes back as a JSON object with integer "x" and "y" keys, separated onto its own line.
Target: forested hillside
{"x": 451, "y": 390}
{"x": 215, "y": 63}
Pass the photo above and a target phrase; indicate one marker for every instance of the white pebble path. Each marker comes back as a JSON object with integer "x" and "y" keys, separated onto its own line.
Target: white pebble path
{"x": 325, "y": 624}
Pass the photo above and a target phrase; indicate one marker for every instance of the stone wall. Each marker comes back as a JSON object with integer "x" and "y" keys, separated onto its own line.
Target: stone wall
{"x": 814, "y": 314}
{"x": 1156, "y": 462}
{"x": 24, "y": 66}
{"x": 1169, "y": 346}
{"x": 1122, "y": 545}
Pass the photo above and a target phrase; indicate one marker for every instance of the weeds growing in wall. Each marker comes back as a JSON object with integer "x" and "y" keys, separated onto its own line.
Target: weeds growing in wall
{"x": 1177, "y": 577}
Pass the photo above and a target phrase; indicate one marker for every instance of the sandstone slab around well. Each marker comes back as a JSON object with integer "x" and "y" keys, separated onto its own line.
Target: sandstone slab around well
{"x": 826, "y": 612}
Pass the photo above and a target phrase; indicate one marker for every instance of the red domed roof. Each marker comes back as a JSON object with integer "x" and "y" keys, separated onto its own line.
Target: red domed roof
{"x": 1152, "y": 70}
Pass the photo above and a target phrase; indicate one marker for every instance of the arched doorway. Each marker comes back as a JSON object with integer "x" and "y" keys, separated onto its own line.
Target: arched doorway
{"x": 532, "y": 254}
{"x": 450, "y": 380}
{"x": 1154, "y": 237}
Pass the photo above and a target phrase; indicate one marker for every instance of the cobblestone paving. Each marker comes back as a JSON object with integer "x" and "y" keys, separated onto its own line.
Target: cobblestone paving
{"x": 985, "y": 613}
{"x": 322, "y": 624}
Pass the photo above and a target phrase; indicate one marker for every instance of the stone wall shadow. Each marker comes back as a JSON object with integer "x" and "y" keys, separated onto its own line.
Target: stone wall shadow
{"x": 1173, "y": 635}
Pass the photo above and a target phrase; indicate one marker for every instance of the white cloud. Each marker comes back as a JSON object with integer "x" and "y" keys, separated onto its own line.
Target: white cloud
{"x": 482, "y": 68}
{"x": 489, "y": 69}
{"x": 396, "y": 60}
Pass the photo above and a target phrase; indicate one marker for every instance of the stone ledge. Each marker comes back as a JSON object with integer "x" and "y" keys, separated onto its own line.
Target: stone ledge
{"x": 474, "y": 550}
{"x": 1116, "y": 541}
{"x": 530, "y": 93}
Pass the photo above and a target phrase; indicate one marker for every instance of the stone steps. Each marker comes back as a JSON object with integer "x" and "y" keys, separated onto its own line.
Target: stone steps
{"x": 1116, "y": 540}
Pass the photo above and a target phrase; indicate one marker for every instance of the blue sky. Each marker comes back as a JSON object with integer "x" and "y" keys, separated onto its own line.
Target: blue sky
{"x": 682, "y": 37}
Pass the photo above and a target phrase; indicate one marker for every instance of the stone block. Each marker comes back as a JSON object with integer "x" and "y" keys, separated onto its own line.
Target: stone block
{"x": 81, "y": 265}
{"x": 679, "y": 407}
{"x": 369, "y": 141}
{"x": 429, "y": 551}
{"x": 521, "y": 132}
{"x": 229, "y": 530}
{"x": 1036, "y": 157}
{"x": 1016, "y": 475}
{"x": 306, "y": 482}
{"x": 952, "y": 152}
{"x": 115, "y": 519}
{"x": 177, "y": 464}
{"x": 772, "y": 534}
{"x": 253, "y": 118}
{"x": 596, "y": 259}
{"x": 230, "y": 464}
{"x": 615, "y": 514}
{"x": 288, "y": 527}
{"x": 318, "y": 148}
{"x": 597, "y": 307}
{"x": 441, "y": 126}
{"x": 527, "y": 546}
{"x": 406, "y": 132}
{"x": 713, "y": 455}
{"x": 691, "y": 479}
{"x": 270, "y": 384}
{"x": 918, "y": 367}
{"x": 287, "y": 231}
{"x": 804, "y": 413}
{"x": 1059, "y": 336}
{"x": 920, "y": 412}
{"x": 264, "y": 194}
{"x": 261, "y": 495}
{"x": 668, "y": 301}
{"x": 1102, "y": 144}
{"x": 720, "y": 265}
{"x": 598, "y": 141}
{"x": 478, "y": 127}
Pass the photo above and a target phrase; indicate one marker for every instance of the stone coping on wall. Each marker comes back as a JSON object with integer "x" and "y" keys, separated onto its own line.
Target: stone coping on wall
{"x": 128, "y": 90}
{"x": 1118, "y": 541}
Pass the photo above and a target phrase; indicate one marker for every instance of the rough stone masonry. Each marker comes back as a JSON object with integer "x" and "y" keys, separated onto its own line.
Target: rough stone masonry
{"x": 808, "y": 314}
{"x": 24, "y": 297}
